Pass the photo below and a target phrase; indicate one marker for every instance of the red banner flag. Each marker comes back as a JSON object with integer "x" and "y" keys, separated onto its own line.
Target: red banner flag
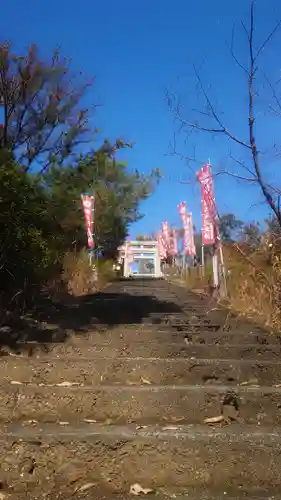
{"x": 173, "y": 247}
{"x": 88, "y": 205}
{"x": 161, "y": 246}
{"x": 209, "y": 222}
{"x": 192, "y": 249}
{"x": 166, "y": 234}
{"x": 188, "y": 238}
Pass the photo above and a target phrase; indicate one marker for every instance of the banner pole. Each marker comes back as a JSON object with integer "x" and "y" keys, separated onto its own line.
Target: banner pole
{"x": 223, "y": 270}
{"x": 203, "y": 260}
{"x": 215, "y": 269}
{"x": 218, "y": 262}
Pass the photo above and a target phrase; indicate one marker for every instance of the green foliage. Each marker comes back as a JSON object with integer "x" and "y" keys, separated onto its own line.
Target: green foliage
{"x": 42, "y": 220}
{"x": 41, "y": 217}
{"x": 229, "y": 227}
{"x": 251, "y": 235}
{"x": 25, "y": 253}
{"x": 105, "y": 272}
{"x": 273, "y": 233}
{"x": 118, "y": 193}
{"x": 43, "y": 121}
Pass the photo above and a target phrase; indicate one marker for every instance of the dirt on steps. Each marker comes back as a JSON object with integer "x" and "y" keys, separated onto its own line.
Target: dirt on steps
{"x": 116, "y": 392}
{"x": 179, "y": 347}
{"x": 155, "y": 457}
{"x": 124, "y": 370}
{"x": 32, "y": 405}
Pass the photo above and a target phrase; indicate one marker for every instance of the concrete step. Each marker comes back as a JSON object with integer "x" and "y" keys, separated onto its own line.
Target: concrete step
{"x": 129, "y": 370}
{"x": 159, "y": 333}
{"x": 143, "y": 333}
{"x": 116, "y": 347}
{"x": 104, "y": 492}
{"x": 190, "y": 456}
{"x": 143, "y": 404}
{"x": 230, "y": 338}
{"x": 197, "y": 326}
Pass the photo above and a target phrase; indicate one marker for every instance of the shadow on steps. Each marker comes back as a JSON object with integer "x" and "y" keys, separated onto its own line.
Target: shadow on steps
{"x": 51, "y": 322}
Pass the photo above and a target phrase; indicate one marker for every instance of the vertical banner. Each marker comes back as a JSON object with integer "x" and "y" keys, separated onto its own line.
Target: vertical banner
{"x": 188, "y": 237}
{"x": 166, "y": 235}
{"x": 210, "y": 228}
{"x": 209, "y": 219}
{"x": 192, "y": 249}
{"x": 161, "y": 246}
{"x": 173, "y": 247}
{"x": 88, "y": 207}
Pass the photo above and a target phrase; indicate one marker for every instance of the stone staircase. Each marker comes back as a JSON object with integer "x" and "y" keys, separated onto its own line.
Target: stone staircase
{"x": 185, "y": 401}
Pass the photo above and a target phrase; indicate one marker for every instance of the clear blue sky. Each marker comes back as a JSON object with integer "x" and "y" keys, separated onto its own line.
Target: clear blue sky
{"x": 136, "y": 49}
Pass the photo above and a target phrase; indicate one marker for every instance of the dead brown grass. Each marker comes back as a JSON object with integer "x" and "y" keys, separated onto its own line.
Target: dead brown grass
{"x": 105, "y": 273}
{"x": 79, "y": 278}
{"x": 77, "y": 275}
{"x": 253, "y": 283}
{"x": 192, "y": 278}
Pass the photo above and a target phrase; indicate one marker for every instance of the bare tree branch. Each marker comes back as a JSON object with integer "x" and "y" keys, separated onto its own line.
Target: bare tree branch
{"x": 193, "y": 125}
{"x": 255, "y": 152}
{"x": 236, "y": 176}
{"x": 242, "y": 164}
{"x": 220, "y": 127}
{"x": 231, "y": 50}
{"x": 268, "y": 38}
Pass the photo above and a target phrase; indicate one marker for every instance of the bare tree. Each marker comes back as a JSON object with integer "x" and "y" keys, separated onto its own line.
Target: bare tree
{"x": 211, "y": 122}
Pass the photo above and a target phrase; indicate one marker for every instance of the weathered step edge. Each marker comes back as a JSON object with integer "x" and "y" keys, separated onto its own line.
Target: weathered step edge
{"x": 255, "y": 435}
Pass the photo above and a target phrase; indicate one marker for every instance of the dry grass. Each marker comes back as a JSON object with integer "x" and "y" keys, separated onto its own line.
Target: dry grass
{"x": 105, "y": 273}
{"x": 80, "y": 278}
{"x": 253, "y": 283}
{"x": 77, "y": 275}
{"x": 192, "y": 278}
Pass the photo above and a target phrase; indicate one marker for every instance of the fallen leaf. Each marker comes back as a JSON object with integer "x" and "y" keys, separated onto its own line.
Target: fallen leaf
{"x": 75, "y": 476}
{"x": 251, "y": 381}
{"x": 170, "y": 428}
{"x": 90, "y": 421}
{"x": 86, "y": 487}
{"x": 63, "y": 423}
{"x": 108, "y": 421}
{"x": 174, "y": 419}
{"x": 230, "y": 412}
{"x": 139, "y": 427}
{"x": 277, "y": 386}
{"x": 145, "y": 381}
{"x": 3, "y": 496}
{"x": 214, "y": 420}
{"x": 137, "y": 489}
{"x": 64, "y": 384}
{"x": 15, "y": 382}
